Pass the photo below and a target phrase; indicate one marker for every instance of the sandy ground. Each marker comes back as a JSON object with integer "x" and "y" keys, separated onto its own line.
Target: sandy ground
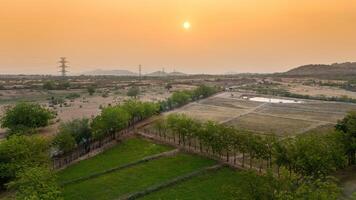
{"x": 320, "y": 91}
{"x": 86, "y": 106}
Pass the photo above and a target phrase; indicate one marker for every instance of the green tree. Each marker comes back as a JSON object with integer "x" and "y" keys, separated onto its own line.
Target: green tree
{"x": 91, "y": 90}
{"x": 49, "y": 85}
{"x": 64, "y": 142}
{"x": 180, "y": 98}
{"x": 20, "y": 153}
{"x": 347, "y": 127}
{"x": 111, "y": 120}
{"x": 36, "y": 183}
{"x": 317, "y": 156}
{"x": 25, "y": 116}
{"x": 133, "y": 92}
{"x": 79, "y": 129}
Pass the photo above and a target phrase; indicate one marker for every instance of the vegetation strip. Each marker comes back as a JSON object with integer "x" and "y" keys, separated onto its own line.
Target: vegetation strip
{"x": 146, "y": 159}
{"x": 169, "y": 183}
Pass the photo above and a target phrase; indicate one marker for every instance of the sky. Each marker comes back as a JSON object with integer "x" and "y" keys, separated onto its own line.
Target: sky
{"x": 225, "y": 35}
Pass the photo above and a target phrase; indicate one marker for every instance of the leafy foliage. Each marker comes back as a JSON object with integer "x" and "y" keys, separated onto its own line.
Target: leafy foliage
{"x": 36, "y": 183}
{"x": 133, "y": 92}
{"x": 308, "y": 155}
{"x": 19, "y": 153}
{"x": 347, "y": 127}
{"x": 25, "y": 116}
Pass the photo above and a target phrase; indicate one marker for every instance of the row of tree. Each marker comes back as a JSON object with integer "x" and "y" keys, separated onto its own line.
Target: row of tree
{"x": 315, "y": 155}
{"x": 180, "y": 98}
{"x": 112, "y": 120}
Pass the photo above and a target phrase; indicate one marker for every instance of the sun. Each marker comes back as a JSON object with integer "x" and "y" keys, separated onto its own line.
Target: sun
{"x": 186, "y": 25}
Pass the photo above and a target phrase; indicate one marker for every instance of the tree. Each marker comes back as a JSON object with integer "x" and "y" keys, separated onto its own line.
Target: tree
{"x": 25, "y": 116}
{"x": 316, "y": 156}
{"x": 203, "y": 91}
{"x": 36, "y": 183}
{"x": 64, "y": 142}
{"x": 21, "y": 152}
{"x": 168, "y": 87}
{"x": 133, "y": 92}
{"x": 91, "y": 90}
{"x": 180, "y": 98}
{"x": 111, "y": 120}
{"x": 267, "y": 187}
{"x": 347, "y": 127}
{"x": 49, "y": 85}
{"x": 79, "y": 129}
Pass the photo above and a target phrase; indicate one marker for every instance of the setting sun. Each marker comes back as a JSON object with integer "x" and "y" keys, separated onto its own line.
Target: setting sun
{"x": 186, "y": 25}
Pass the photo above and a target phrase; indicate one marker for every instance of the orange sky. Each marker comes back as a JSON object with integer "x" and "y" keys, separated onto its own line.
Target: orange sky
{"x": 226, "y": 35}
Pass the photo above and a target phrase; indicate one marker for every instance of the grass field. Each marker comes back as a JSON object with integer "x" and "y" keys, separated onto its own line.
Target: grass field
{"x": 128, "y": 151}
{"x": 213, "y": 185}
{"x": 139, "y": 177}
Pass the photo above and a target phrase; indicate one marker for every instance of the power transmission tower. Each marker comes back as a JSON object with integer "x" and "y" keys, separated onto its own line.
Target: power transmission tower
{"x": 63, "y": 67}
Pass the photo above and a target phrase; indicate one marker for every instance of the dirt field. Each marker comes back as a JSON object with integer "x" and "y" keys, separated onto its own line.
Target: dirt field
{"x": 283, "y": 119}
{"x": 84, "y": 107}
{"x": 320, "y": 91}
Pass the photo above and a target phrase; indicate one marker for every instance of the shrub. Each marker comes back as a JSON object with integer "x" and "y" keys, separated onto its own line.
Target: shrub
{"x": 19, "y": 153}
{"x": 25, "y": 116}
{"x": 35, "y": 183}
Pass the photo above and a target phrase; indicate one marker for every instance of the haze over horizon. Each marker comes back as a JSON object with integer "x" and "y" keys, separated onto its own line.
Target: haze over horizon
{"x": 191, "y": 36}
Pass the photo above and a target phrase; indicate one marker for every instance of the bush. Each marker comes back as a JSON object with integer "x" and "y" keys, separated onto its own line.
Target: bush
{"x": 79, "y": 129}
{"x": 19, "y": 153}
{"x": 49, "y": 85}
{"x": 64, "y": 142}
{"x": 36, "y": 183}
{"x": 73, "y": 96}
{"x": 133, "y": 92}
{"x": 25, "y": 116}
{"x": 91, "y": 90}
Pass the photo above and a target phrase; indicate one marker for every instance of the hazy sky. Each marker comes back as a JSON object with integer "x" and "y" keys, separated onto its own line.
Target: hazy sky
{"x": 225, "y": 35}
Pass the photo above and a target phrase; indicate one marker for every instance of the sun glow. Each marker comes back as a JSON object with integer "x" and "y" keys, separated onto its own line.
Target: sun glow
{"x": 186, "y": 25}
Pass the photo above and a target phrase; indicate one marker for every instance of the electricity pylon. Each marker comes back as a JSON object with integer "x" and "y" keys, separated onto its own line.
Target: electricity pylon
{"x": 63, "y": 67}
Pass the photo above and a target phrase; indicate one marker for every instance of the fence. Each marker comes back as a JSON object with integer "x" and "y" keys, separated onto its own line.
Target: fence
{"x": 63, "y": 160}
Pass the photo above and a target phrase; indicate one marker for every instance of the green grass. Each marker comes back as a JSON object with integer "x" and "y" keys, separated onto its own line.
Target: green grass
{"x": 212, "y": 185}
{"x": 116, "y": 184}
{"x": 129, "y": 150}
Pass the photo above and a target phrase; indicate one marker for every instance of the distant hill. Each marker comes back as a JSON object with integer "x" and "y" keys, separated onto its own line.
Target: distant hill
{"x": 348, "y": 68}
{"x": 118, "y": 72}
{"x": 177, "y": 74}
{"x": 161, "y": 73}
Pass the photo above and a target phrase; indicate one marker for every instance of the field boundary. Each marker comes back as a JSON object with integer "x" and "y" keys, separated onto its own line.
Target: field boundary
{"x": 121, "y": 167}
{"x": 169, "y": 183}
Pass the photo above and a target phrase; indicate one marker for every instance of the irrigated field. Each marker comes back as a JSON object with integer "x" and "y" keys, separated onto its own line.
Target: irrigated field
{"x": 131, "y": 179}
{"x": 128, "y": 151}
{"x": 214, "y": 185}
{"x": 283, "y": 119}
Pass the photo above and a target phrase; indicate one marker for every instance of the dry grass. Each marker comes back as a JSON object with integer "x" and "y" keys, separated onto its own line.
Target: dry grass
{"x": 285, "y": 111}
{"x": 230, "y": 103}
{"x": 208, "y": 112}
{"x": 269, "y": 124}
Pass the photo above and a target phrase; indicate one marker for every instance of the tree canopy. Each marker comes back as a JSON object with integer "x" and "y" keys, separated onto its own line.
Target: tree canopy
{"x": 25, "y": 116}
